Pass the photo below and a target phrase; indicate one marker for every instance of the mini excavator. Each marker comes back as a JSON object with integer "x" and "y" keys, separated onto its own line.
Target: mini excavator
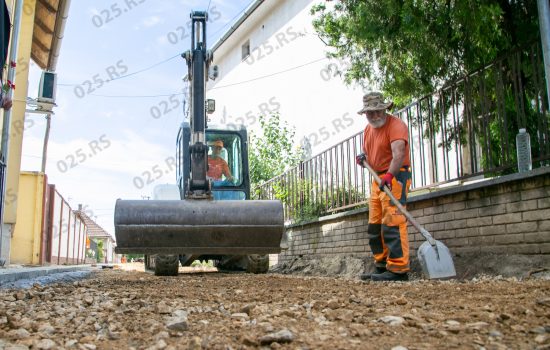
{"x": 200, "y": 217}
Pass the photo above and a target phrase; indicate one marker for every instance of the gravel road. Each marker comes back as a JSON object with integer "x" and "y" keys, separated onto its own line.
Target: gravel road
{"x": 120, "y": 309}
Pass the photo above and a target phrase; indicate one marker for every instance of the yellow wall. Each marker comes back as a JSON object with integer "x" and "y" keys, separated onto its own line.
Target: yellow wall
{"x": 18, "y": 109}
{"x": 26, "y": 241}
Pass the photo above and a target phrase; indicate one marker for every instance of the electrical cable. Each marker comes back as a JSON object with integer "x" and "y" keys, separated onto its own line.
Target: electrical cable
{"x": 148, "y": 68}
{"x": 216, "y": 87}
{"x": 170, "y": 58}
{"x": 269, "y": 75}
{"x": 134, "y": 73}
{"x": 137, "y": 96}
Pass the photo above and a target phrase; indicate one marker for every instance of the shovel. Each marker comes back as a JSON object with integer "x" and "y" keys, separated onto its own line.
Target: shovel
{"x": 434, "y": 256}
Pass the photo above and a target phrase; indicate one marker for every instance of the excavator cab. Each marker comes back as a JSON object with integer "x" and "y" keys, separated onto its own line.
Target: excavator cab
{"x": 227, "y": 162}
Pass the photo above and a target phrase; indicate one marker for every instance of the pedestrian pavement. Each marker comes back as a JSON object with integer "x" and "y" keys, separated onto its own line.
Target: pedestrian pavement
{"x": 14, "y": 273}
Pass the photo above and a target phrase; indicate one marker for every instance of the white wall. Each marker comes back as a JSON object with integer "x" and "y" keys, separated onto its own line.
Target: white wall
{"x": 110, "y": 252}
{"x": 310, "y": 98}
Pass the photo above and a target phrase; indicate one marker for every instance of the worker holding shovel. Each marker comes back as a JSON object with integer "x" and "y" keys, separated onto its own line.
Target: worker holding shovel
{"x": 386, "y": 151}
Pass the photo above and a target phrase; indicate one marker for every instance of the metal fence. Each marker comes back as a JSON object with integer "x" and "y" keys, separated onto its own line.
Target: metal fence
{"x": 465, "y": 130}
{"x": 65, "y": 232}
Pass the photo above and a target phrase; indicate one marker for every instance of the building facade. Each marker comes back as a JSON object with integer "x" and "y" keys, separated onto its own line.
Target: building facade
{"x": 98, "y": 234}
{"x": 41, "y": 25}
{"x": 271, "y": 61}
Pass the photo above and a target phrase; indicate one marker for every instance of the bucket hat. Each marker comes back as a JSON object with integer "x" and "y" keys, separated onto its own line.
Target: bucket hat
{"x": 374, "y": 101}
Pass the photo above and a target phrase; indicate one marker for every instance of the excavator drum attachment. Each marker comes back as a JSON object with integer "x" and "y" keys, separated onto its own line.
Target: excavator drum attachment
{"x": 198, "y": 226}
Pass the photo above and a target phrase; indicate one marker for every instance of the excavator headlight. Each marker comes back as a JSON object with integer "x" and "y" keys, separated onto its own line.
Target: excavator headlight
{"x": 210, "y": 105}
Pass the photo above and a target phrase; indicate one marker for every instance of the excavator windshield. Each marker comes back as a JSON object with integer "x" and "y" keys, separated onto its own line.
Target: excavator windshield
{"x": 225, "y": 165}
{"x": 227, "y": 161}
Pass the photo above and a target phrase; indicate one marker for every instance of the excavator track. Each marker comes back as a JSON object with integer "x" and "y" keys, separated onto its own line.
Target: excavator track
{"x": 257, "y": 263}
{"x": 162, "y": 265}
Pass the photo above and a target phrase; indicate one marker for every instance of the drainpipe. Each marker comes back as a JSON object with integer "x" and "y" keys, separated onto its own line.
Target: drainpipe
{"x": 18, "y": 10}
{"x": 59, "y": 32}
{"x": 46, "y": 138}
{"x": 544, "y": 21}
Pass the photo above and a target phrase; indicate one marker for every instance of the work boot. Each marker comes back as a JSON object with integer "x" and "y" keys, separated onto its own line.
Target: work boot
{"x": 377, "y": 270}
{"x": 390, "y": 276}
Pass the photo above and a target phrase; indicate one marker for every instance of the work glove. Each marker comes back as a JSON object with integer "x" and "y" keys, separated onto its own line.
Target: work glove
{"x": 360, "y": 158}
{"x": 385, "y": 180}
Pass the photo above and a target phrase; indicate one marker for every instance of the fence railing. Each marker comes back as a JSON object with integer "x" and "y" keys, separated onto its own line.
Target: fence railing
{"x": 64, "y": 231}
{"x": 466, "y": 129}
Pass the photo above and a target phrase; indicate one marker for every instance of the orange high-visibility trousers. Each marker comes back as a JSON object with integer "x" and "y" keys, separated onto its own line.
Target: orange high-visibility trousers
{"x": 387, "y": 230}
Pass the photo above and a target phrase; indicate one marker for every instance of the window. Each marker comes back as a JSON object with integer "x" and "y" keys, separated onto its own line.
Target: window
{"x": 245, "y": 49}
{"x": 224, "y": 159}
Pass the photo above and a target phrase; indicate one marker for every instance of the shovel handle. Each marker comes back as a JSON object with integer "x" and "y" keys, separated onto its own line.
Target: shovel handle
{"x": 401, "y": 208}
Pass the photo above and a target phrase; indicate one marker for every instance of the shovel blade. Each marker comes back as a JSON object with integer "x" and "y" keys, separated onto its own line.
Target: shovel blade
{"x": 436, "y": 263}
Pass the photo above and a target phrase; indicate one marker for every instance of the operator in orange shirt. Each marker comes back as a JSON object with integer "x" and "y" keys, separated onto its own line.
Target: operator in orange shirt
{"x": 386, "y": 150}
{"x": 216, "y": 164}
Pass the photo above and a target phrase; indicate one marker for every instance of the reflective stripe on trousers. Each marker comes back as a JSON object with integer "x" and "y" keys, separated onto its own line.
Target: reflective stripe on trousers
{"x": 387, "y": 230}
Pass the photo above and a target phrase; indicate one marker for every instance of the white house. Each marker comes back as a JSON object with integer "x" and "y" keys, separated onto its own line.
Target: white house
{"x": 97, "y": 233}
{"x": 271, "y": 60}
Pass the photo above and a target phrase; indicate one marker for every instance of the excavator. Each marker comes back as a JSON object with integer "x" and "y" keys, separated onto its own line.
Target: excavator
{"x": 203, "y": 216}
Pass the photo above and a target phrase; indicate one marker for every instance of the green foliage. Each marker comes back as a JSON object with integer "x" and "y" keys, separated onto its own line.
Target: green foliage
{"x": 307, "y": 204}
{"x": 100, "y": 255}
{"x": 409, "y": 48}
{"x": 203, "y": 263}
{"x": 310, "y": 202}
{"x": 271, "y": 152}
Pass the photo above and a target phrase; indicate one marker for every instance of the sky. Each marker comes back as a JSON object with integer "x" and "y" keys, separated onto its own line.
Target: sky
{"x": 102, "y": 146}
{"x": 116, "y": 118}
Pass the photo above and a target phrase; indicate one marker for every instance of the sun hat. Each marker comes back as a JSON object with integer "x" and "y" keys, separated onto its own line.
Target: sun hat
{"x": 374, "y": 101}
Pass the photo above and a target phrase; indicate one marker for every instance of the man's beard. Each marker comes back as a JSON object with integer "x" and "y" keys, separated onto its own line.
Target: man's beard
{"x": 378, "y": 124}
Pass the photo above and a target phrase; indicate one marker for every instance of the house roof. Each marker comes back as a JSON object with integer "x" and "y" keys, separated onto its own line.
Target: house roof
{"x": 253, "y": 6}
{"x": 49, "y": 22}
{"x": 94, "y": 230}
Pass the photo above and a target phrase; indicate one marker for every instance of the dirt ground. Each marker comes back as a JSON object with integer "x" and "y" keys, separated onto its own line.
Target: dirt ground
{"x": 128, "y": 308}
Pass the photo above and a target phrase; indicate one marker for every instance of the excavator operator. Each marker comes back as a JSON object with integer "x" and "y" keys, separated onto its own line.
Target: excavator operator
{"x": 217, "y": 166}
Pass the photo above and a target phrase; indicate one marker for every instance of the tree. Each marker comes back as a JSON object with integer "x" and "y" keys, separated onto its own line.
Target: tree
{"x": 99, "y": 256}
{"x": 409, "y": 48}
{"x": 271, "y": 152}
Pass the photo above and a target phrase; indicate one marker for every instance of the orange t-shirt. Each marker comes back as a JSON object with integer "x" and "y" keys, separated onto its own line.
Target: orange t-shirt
{"x": 217, "y": 167}
{"x": 377, "y": 143}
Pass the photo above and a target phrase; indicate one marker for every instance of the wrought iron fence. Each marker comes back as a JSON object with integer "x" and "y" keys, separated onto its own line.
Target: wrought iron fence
{"x": 466, "y": 129}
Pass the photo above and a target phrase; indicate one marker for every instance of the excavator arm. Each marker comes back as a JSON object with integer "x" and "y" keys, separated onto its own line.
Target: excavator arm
{"x": 198, "y": 63}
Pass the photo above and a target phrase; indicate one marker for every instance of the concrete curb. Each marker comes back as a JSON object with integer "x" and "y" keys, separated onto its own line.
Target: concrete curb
{"x": 15, "y": 274}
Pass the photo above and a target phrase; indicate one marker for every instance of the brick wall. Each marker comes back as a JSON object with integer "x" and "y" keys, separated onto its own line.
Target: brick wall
{"x": 510, "y": 214}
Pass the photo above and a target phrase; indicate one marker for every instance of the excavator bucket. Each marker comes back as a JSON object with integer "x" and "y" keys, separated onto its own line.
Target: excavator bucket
{"x": 198, "y": 226}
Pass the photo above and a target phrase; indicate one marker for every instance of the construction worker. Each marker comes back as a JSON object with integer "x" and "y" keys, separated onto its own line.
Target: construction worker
{"x": 216, "y": 164}
{"x": 386, "y": 150}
